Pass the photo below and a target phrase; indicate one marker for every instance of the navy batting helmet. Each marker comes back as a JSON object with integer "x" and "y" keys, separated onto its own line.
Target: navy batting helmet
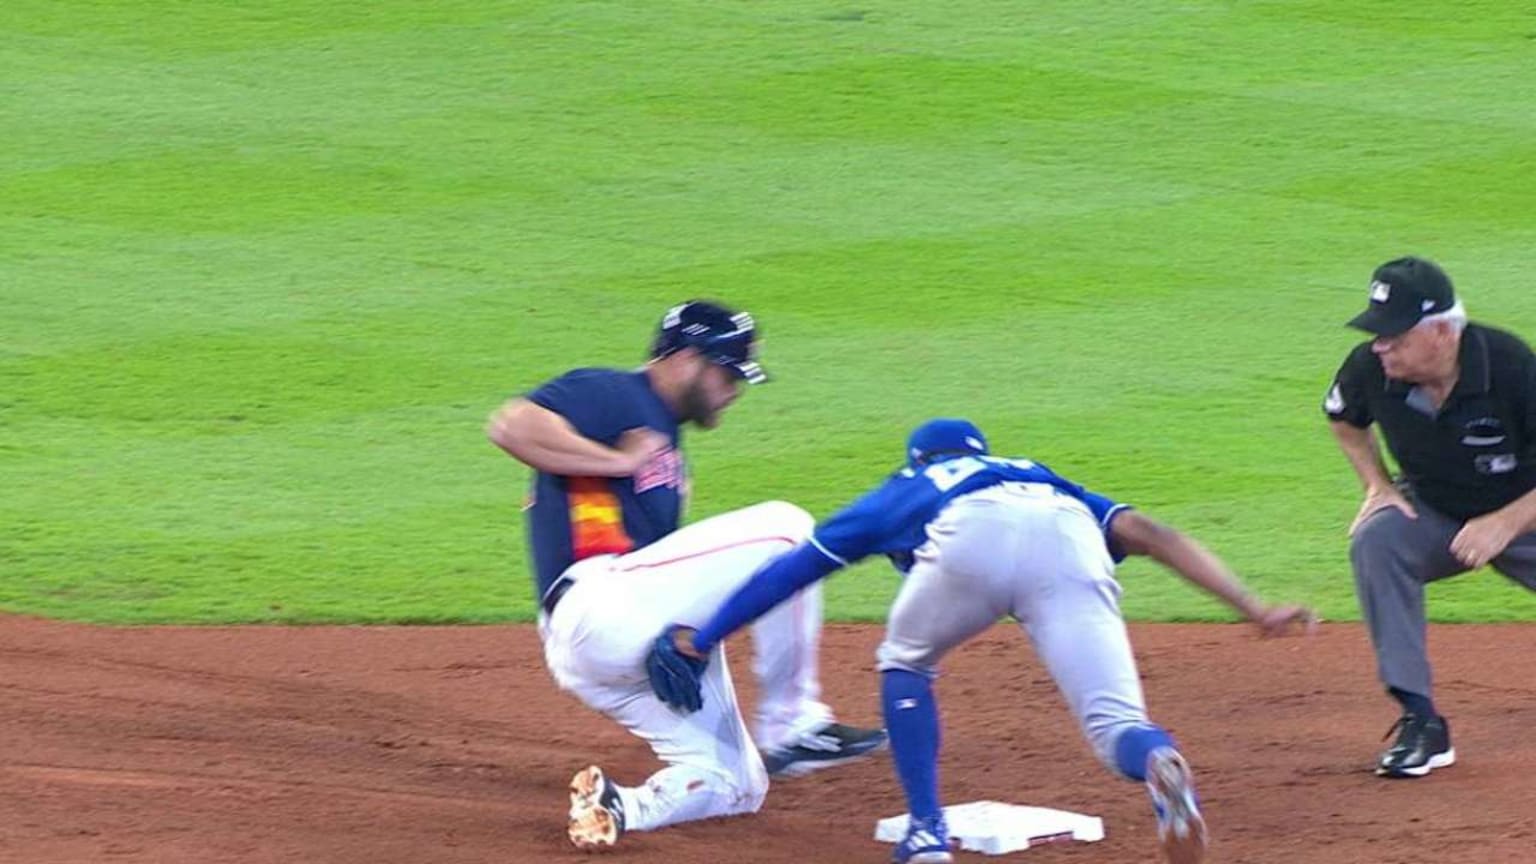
{"x": 720, "y": 335}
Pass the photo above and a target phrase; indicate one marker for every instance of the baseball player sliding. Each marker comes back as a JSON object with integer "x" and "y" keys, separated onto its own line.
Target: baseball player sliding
{"x": 980, "y": 538}
{"x": 612, "y": 569}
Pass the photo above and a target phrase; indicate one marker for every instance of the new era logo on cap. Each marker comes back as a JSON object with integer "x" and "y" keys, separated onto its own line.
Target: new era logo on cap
{"x": 1380, "y": 291}
{"x": 944, "y": 436}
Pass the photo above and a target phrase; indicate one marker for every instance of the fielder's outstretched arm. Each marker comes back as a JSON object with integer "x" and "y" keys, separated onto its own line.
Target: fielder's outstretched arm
{"x": 857, "y": 531}
{"x": 680, "y": 654}
{"x": 768, "y": 587}
{"x": 1138, "y": 535}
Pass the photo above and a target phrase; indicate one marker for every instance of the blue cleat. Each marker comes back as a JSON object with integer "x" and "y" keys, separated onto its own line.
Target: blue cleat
{"x": 927, "y": 842}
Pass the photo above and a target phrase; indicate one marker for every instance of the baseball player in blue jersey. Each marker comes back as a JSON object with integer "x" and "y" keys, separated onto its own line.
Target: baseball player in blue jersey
{"x": 612, "y": 568}
{"x": 980, "y": 538}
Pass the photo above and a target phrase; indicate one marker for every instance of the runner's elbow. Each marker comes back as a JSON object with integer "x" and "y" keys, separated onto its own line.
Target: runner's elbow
{"x": 507, "y": 427}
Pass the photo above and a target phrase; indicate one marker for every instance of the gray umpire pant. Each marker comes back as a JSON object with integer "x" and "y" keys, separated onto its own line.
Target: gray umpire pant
{"x": 1394, "y": 557}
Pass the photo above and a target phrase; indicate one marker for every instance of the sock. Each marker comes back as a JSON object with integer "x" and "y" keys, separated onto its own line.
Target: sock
{"x": 1416, "y": 704}
{"x": 912, "y": 722}
{"x": 1135, "y": 744}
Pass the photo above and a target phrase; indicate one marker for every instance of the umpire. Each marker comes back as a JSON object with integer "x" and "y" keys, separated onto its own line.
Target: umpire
{"x": 1456, "y": 403}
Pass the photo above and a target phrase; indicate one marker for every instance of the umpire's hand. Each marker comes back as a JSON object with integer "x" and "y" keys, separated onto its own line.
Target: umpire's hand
{"x": 676, "y": 670}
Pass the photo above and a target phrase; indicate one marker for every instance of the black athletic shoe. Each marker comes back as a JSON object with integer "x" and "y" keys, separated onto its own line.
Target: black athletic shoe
{"x": 830, "y": 745}
{"x": 1423, "y": 744}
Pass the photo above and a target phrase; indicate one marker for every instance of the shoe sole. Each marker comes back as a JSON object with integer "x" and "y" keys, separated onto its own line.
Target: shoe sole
{"x": 930, "y": 858}
{"x": 1439, "y": 760}
{"x": 802, "y": 767}
{"x": 931, "y": 852}
{"x": 1180, "y": 826}
{"x": 591, "y": 827}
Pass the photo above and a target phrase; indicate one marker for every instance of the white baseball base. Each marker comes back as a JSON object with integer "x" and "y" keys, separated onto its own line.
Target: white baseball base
{"x": 995, "y": 828}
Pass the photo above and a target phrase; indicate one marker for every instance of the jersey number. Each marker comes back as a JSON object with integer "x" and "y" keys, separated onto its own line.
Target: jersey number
{"x": 950, "y": 473}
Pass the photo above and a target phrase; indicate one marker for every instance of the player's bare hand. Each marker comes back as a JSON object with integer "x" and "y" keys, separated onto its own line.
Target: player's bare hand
{"x": 1285, "y": 619}
{"x": 1380, "y": 499}
{"x": 640, "y": 445}
{"x": 682, "y": 639}
{"x": 1483, "y": 539}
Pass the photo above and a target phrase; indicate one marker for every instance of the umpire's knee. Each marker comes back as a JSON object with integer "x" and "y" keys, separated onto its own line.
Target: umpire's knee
{"x": 1375, "y": 544}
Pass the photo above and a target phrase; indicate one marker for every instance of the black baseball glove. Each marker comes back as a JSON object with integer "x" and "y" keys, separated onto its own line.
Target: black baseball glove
{"x": 677, "y": 678}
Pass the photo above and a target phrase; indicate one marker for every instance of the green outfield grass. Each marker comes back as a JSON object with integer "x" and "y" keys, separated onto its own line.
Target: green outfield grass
{"x": 267, "y": 267}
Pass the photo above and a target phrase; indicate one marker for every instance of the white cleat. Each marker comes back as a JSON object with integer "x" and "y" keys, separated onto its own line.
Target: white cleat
{"x": 1180, "y": 828}
{"x": 597, "y": 813}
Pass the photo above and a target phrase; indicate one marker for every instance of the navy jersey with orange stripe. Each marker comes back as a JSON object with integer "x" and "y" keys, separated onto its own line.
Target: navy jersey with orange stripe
{"x": 571, "y": 518}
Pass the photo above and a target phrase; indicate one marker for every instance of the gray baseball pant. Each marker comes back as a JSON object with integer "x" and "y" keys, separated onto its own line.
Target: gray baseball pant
{"x": 1025, "y": 550}
{"x": 1394, "y": 557}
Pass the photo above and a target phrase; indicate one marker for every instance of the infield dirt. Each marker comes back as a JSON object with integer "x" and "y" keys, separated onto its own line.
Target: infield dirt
{"x": 451, "y": 744}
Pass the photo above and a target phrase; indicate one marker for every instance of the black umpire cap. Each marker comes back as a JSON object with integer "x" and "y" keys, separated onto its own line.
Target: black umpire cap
{"x": 720, "y": 335}
{"x": 1404, "y": 292}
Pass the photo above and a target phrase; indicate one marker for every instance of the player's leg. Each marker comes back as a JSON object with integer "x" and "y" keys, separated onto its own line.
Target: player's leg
{"x": 627, "y": 601}
{"x": 712, "y": 768}
{"x": 1393, "y": 557}
{"x": 592, "y": 650}
{"x": 786, "y": 643}
{"x": 686, "y": 575}
{"x": 1067, "y": 601}
{"x": 693, "y": 571}
{"x": 942, "y": 603}
{"x": 599, "y": 634}
{"x": 797, "y": 732}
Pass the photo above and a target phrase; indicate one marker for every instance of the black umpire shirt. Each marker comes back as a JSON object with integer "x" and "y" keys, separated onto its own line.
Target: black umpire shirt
{"x": 1476, "y": 453}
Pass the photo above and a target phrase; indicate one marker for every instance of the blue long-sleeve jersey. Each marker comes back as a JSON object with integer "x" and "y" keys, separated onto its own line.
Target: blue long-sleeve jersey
{"x": 892, "y": 519}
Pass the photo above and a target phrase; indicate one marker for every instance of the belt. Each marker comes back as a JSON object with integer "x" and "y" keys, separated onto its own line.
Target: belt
{"x": 556, "y": 590}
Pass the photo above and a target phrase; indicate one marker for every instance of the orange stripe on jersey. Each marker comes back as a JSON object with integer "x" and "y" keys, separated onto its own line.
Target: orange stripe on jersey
{"x": 597, "y": 520}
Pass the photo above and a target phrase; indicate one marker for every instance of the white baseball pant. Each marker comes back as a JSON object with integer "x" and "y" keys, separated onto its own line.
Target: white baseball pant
{"x": 597, "y": 639}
